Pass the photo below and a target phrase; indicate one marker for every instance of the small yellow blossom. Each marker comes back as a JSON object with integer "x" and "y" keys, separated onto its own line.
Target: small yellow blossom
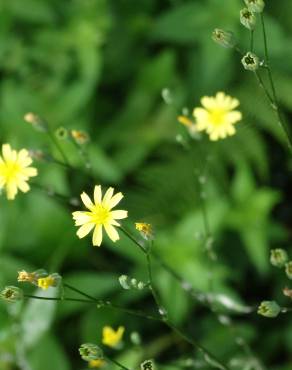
{"x": 96, "y": 363}
{"x": 15, "y": 171}
{"x": 24, "y": 276}
{"x": 110, "y": 337}
{"x": 217, "y": 117}
{"x": 145, "y": 229}
{"x": 100, "y": 215}
{"x": 46, "y": 282}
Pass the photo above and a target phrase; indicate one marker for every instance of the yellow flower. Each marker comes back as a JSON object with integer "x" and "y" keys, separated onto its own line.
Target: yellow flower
{"x": 145, "y": 229}
{"x": 110, "y": 337}
{"x": 46, "y": 282}
{"x": 15, "y": 171}
{"x": 96, "y": 363}
{"x": 80, "y": 137}
{"x": 217, "y": 116}
{"x": 100, "y": 215}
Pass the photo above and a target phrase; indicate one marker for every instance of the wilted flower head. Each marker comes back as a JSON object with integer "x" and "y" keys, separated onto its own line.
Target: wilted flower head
{"x": 247, "y": 18}
{"x": 217, "y": 116}
{"x": 250, "y": 62}
{"x": 100, "y": 215}
{"x": 147, "y": 365}
{"x": 224, "y": 38}
{"x": 15, "y": 171}
{"x": 288, "y": 269}
{"x": 11, "y": 294}
{"x": 24, "y": 276}
{"x": 111, "y": 337}
{"x": 278, "y": 257}
{"x": 269, "y": 309}
{"x": 80, "y": 137}
{"x": 256, "y": 6}
{"x": 145, "y": 230}
{"x": 90, "y": 352}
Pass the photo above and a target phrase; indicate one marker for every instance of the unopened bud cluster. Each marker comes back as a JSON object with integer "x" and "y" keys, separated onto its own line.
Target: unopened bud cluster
{"x": 128, "y": 283}
{"x": 39, "y": 278}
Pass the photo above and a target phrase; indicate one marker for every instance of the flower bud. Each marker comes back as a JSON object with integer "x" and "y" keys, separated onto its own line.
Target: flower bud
{"x": 269, "y": 309}
{"x": 278, "y": 257}
{"x": 90, "y": 351}
{"x": 250, "y": 62}
{"x": 36, "y": 121}
{"x": 11, "y": 294}
{"x": 256, "y": 6}
{"x": 223, "y": 38}
{"x": 61, "y": 133}
{"x": 288, "y": 270}
{"x": 247, "y": 18}
{"x": 127, "y": 283}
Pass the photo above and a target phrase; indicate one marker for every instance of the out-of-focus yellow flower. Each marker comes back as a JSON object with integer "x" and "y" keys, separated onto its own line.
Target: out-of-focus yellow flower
{"x": 96, "y": 363}
{"x": 46, "y": 282}
{"x": 184, "y": 120}
{"x": 145, "y": 229}
{"x": 15, "y": 171}
{"x": 217, "y": 117}
{"x": 110, "y": 337}
{"x": 100, "y": 215}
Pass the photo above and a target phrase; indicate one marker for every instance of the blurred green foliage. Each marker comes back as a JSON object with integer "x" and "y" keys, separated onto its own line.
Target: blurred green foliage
{"x": 101, "y": 66}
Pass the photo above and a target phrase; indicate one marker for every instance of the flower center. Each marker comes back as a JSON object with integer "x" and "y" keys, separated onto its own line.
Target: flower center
{"x": 10, "y": 170}
{"x": 100, "y": 214}
{"x": 217, "y": 116}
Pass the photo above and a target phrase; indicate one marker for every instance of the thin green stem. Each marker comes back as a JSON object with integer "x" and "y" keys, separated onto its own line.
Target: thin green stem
{"x": 115, "y": 362}
{"x": 143, "y": 249}
{"x": 57, "y": 145}
{"x": 58, "y": 298}
{"x": 79, "y": 292}
{"x": 251, "y": 40}
{"x": 274, "y": 102}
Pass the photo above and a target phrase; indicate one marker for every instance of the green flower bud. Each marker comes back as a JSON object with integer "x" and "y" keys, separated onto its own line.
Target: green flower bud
{"x": 256, "y": 6}
{"x": 123, "y": 280}
{"x": 250, "y": 62}
{"x": 61, "y": 133}
{"x": 135, "y": 338}
{"x": 278, "y": 257}
{"x": 247, "y": 18}
{"x": 147, "y": 365}
{"x": 90, "y": 351}
{"x": 127, "y": 283}
{"x": 269, "y": 309}
{"x": 11, "y": 294}
{"x": 288, "y": 270}
{"x": 223, "y": 38}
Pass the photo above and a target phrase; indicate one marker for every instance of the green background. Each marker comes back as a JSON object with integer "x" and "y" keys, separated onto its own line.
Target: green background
{"x": 104, "y": 66}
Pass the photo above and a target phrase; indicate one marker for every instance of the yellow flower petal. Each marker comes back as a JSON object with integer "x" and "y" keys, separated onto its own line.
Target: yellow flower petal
{"x": 107, "y": 197}
{"x": 97, "y": 194}
{"x": 115, "y": 200}
{"x": 119, "y": 214}
{"x": 86, "y": 201}
{"x": 97, "y": 236}
{"x": 85, "y": 229}
{"x": 112, "y": 232}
